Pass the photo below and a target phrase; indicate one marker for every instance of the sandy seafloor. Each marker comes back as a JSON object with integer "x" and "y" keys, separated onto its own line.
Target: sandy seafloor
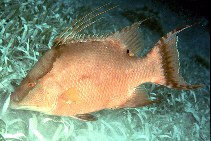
{"x": 27, "y": 30}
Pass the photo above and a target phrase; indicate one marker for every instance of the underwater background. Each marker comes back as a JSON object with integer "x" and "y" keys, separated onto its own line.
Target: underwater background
{"x": 27, "y": 30}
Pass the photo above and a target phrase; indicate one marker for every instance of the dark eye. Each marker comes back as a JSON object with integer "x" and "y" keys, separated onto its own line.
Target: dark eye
{"x": 31, "y": 84}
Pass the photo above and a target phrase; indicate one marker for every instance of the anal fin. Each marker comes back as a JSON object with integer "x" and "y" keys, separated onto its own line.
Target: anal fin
{"x": 139, "y": 98}
{"x": 86, "y": 117}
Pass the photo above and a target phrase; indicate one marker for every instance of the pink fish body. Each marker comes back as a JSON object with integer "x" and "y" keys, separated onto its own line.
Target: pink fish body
{"x": 79, "y": 76}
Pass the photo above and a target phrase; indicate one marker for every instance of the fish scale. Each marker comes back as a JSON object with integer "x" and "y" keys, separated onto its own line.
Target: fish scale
{"x": 78, "y": 76}
{"x": 114, "y": 75}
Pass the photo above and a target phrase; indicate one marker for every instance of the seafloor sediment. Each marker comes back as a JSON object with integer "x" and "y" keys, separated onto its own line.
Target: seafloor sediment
{"x": 27, "y": 30}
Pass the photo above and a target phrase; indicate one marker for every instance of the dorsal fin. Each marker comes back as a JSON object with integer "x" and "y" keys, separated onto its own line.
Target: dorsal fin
{"x": 80, "y": 24}
{"x": 131, "y": 37}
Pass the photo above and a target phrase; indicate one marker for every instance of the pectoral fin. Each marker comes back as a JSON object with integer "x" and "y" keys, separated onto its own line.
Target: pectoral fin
{"x": 86, "y": 117}
{"x": 138, "y": 99}
{"x": 70, "y": 96}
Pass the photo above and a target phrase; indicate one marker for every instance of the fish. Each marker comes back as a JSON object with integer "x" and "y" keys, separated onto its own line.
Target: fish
{"x": 80, "y": 75}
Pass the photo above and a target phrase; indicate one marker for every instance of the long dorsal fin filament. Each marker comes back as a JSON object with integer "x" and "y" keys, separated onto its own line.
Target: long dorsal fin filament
{"x": 82, "y": 23}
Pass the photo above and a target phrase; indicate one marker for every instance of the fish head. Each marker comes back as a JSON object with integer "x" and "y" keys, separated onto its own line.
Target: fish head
{"x": 23, "y": 89}
{"x": 30, "y": 95}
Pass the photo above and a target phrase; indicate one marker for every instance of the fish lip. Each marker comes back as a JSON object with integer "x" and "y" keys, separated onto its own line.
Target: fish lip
{"x": 14, "y": 97}
{"x": 13, "y": 105}
{"x": 14, "y": 100}
{"x": 16, "y": 106}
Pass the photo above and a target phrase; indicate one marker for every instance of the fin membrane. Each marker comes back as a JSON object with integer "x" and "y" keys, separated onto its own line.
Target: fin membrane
{"x": 166, "y": 57}
{"x": 86, "y": 117}
{"x": 132, "y": 38}
{"x": 73, "y": 32}
{"x": 139, "y": 98}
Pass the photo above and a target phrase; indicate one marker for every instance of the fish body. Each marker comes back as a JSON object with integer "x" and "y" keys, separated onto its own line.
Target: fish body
{"x": 76, "y": 76}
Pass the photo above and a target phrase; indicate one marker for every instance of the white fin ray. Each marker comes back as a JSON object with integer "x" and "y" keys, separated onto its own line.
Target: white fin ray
{"x": 82, "y": 23}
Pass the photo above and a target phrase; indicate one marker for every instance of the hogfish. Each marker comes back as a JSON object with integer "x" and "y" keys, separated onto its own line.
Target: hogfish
{"x": 80, "y": 75}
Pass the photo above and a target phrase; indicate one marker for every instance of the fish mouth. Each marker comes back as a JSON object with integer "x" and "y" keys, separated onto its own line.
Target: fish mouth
{"x": 14, "y": 97}
{"x": 18, "y": 106}
{"x": 29, "y": 108}
{"x": 15, "y": 105}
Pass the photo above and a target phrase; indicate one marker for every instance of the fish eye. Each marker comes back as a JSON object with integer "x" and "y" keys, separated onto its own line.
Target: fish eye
{"x": 31, "y": 84}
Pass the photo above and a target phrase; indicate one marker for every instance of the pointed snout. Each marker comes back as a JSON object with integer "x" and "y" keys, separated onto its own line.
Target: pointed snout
{"x": 14, "y": 97}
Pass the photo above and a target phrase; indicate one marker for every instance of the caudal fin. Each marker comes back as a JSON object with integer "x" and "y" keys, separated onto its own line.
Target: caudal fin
{"x": 166, "y": 57}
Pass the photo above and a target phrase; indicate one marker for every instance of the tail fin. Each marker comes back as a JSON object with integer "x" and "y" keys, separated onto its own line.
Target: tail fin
{"x": 166, "y": 57}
